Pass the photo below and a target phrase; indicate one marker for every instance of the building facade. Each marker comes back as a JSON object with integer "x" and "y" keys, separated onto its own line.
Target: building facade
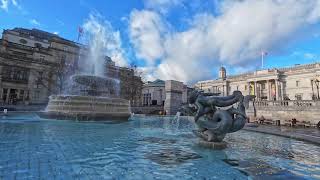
{"x": 29, "y": 62}
{"x": 165, "y": 95}
{"x": 153, "y": 93}
{"x": 35, "y": 64}
{"x": 300, "y": 82}
{"x": 130, "y": 85}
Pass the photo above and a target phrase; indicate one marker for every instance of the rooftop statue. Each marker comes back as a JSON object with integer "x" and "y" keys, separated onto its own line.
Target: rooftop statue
{"x": 215, "y": 115}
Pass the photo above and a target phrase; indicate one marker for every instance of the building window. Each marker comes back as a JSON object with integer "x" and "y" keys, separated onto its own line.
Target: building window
{"x": 36, "y": 95}
{"x": 42, "y": 57}
{"x": 298, "y": 96}
{"x": 37, "y": 45}
{"x": 4, "y": 94}
{"x": 263, "y": 86}
{"x": 14, "y": 74}
{"x": 245, "y": 87}
{"x": 297, "y": 83}
{"x": 65, "y": 48}
{"x": 23, "y": 41}
{"x": 39, "y": 80}
{"x": 286, "y": 97}
{"x": 154, "y": 102}
{"x": 19, "y": 53}
{"x": 21, "y": 94}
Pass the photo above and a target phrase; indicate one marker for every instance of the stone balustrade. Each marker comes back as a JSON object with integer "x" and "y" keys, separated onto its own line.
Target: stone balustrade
{"x": 302, "y": 110}
{"x": 295, "y": 103}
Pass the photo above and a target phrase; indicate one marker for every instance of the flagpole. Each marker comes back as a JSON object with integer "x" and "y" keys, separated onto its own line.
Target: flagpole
{"x": 262, "y": 56}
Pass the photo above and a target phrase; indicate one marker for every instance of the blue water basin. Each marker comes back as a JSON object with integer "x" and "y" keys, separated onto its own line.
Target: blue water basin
{"x": 144, "y": 148}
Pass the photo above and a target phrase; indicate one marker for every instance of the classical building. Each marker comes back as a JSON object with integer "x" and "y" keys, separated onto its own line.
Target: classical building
{"x": 29, "y": 62}
{"x": 153, "y": 93}
{"x": 300, "y": 82}
{"x": 35, "y": 64}
{"x": 162, "y": 95}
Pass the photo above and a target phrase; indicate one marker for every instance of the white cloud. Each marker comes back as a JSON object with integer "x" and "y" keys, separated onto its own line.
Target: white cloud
{"x": 234, "y": 38}
{"x": 15, "y": 3}
{"x": 4, "y": 5}
{"x": 34, "y": 22}
{"x": 162, "y": 6}
{"x": 304, "y": 55}
{"x": 310, "y": 56}
{"x": 146, "y": 34}
{"x": 56, "y": 33}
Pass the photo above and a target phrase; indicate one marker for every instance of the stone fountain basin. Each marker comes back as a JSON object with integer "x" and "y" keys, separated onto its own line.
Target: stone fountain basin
{"x": 88, "y": 108}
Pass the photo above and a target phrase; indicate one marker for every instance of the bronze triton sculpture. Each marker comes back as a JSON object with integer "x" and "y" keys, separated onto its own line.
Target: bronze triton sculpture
{"x": 216, "y": 115}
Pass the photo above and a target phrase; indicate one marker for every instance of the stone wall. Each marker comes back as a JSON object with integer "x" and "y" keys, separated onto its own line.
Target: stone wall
{"x": 146, "y": 109}
{"x": 173, "y": 102}
{"x": 286, "y": 110}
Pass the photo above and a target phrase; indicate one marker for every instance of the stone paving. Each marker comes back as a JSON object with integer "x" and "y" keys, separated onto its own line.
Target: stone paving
{"x": 304, "y": 134}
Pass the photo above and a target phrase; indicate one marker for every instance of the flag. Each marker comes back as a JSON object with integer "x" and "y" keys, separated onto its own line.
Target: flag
{"x": 264, "y": 53}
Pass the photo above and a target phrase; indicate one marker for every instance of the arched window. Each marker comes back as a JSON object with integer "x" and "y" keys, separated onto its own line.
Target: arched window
{"x": 23, "y": 41}
{"x": 38, "y": 45}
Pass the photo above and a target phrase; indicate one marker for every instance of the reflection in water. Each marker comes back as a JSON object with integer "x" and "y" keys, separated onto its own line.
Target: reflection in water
{"x": 143, "y": 148}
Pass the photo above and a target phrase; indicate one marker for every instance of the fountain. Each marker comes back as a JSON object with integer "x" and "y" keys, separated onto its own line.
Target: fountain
{"x": 91, "y": 95}
{"x": 91, "y": 98}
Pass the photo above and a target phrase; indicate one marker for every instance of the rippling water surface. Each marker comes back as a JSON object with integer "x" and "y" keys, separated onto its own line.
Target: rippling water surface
{"x": 144, "y": 148}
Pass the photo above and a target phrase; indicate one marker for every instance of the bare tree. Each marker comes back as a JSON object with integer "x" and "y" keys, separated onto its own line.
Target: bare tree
{"x": 136, "y": 84}
{"x": 56, "y": 78}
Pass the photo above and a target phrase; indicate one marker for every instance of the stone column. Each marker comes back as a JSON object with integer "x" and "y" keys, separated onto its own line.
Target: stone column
{"x": 268, "y": 90}
{"x": 249, "y": 85}
{"x": 276, "y": 81}
{"x": 8, "y": 96}
{"x": 223, "y": 90}
{"x": 24, "y": 95}
{"x": 281, "y": 91}
{"x": 255, "y": 89}
{"x": 312, "y": 89}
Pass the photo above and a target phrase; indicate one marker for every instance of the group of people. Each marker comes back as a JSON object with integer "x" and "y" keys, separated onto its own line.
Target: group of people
{"x": 293, "y": 121}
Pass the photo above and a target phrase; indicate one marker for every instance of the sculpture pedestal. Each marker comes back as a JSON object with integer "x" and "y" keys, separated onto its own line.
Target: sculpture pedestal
{"x": 213, "y": 145}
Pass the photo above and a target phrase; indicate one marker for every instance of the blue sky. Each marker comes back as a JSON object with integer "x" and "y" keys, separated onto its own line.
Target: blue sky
{"x": 187, "y": 40}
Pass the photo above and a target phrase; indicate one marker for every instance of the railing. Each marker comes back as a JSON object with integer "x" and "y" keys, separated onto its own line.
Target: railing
{"x": 291, "y": 103}
{"x": 298, "y": 67}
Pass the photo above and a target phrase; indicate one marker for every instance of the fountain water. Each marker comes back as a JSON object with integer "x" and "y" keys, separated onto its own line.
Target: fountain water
{"x": 91, "y": 95}
{"x": 92, "y": 98}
